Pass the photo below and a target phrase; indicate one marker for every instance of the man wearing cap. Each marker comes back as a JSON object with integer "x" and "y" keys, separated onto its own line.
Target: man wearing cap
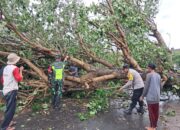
{"x": 134, "y": 80}
{"x": 11, "y": 76}
{"x": 55, "y": 76}
{"x": 152, "y": 94}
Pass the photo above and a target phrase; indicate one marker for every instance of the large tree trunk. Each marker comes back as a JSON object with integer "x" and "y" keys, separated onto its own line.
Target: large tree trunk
{"x": 157, "y": 34}
{"x": 121, "y": 41}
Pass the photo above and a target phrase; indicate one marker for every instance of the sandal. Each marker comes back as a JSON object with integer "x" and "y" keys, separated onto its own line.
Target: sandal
{"x": 149, "y": 128}
{"x": 12, "y": 123}
{"x": 10, "y": 128}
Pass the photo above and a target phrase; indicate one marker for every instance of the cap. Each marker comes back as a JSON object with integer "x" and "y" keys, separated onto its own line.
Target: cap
{"x": 125, "y": 66}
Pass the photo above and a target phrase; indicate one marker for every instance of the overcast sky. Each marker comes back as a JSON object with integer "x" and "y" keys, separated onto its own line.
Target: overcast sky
{"x": 168, "y": 21}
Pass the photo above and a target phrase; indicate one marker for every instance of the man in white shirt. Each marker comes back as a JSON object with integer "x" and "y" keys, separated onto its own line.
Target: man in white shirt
{"x": 136, "y": 82}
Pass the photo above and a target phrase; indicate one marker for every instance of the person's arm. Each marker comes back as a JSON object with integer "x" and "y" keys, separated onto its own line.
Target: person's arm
{"x": 65, "y": 61}
{"x": 66, "y": 58}
{"x": 147, "y": 85}
{"x": 17, "y": 73}
{"x": 129, "y": 83}
{"x": 50, "y": 74}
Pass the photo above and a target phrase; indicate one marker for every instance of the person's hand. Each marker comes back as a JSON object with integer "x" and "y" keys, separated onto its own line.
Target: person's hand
{"x": 67, "y": 57}
{"x": 21, "y": 68}
{"x": 141, "y": 98}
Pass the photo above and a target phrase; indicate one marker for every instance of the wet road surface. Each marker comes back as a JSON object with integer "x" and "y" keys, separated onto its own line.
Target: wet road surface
{"x": 112, "y": 119}
{"x": 67, "y": 119}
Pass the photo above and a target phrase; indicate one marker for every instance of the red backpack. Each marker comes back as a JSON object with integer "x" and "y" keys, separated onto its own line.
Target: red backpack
{"x": 1, "y": 77}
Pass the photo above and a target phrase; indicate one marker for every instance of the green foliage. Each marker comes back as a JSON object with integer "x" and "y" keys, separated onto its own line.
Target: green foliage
{"x": 171, "y": 113}
{"x": 36, "y": 107}
{"x": 41, "y": 104}
{"x": 2, "y": 107}
{"x": 176, "y": 88}
{"x": 176, "y": 58}
{"x": 82, "y": 116}
{"x": 79, "y": 95}
{"x": 98, "y": 102}
{"x": 148, "y": 52}
{"x": 54, "y": 24}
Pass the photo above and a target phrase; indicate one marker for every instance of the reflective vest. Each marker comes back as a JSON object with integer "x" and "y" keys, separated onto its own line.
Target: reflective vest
{"x": 58, "y": 70}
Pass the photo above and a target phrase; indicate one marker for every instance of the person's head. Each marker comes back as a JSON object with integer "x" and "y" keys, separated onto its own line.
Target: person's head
{"x": 151, "y": 67}
{"x": 12, "y": 59}
{"x": 125, "y": 68}
{"x": 58, "y": 57}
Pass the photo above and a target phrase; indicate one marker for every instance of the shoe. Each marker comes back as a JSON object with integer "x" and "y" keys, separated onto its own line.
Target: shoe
{"x": 56, "y": 108}
{"x": 128, "y": 112}
{"x": 140, "y": 110}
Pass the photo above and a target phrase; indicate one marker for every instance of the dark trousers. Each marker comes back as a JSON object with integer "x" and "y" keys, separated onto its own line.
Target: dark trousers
{"x": 10, "y": 109}
{"x": 57, "y": 93}
{"x": 153, "y": 114}
{"x": 135, "y": 98}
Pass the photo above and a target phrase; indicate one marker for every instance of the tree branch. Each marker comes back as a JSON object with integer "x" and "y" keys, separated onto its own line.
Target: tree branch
{"x": 90, "y": 54}
{"x": 31, "y": 65}
{"x": 111, "y": 10}
{"x": 24, "y": 38}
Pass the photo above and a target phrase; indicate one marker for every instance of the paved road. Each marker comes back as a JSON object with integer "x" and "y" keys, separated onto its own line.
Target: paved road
{"x": 113, "y": 119}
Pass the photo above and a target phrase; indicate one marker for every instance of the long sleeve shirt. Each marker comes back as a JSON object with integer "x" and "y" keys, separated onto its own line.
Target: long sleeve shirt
{"x": 152, "y": 88}
{"x": 134, "y": 80}
{"x": 11, "y": 77}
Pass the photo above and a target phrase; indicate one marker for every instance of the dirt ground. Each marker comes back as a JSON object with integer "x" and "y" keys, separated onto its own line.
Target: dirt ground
{"x": 171, "y": 122}
{"x": 112, "y": 119}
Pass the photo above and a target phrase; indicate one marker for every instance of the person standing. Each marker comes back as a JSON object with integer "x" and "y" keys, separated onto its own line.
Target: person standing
{"x": 55, "y": 76}
{"x": 152, "y": 94}
{"x": 11, "y": 76}
{"x": 134, "y": 80}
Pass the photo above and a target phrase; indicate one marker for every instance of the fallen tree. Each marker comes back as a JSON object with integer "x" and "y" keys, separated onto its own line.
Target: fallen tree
{"x": 113, "y": 37}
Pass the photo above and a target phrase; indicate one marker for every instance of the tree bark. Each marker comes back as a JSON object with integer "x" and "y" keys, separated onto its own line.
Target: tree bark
{"x": 120, "y": 41}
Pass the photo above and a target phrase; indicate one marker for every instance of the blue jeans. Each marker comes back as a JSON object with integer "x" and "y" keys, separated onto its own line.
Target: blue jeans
{"x": 10, "y": 109}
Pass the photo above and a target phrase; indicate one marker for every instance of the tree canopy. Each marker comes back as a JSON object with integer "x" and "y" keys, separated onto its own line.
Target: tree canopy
{"x": 103, "y": 35}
